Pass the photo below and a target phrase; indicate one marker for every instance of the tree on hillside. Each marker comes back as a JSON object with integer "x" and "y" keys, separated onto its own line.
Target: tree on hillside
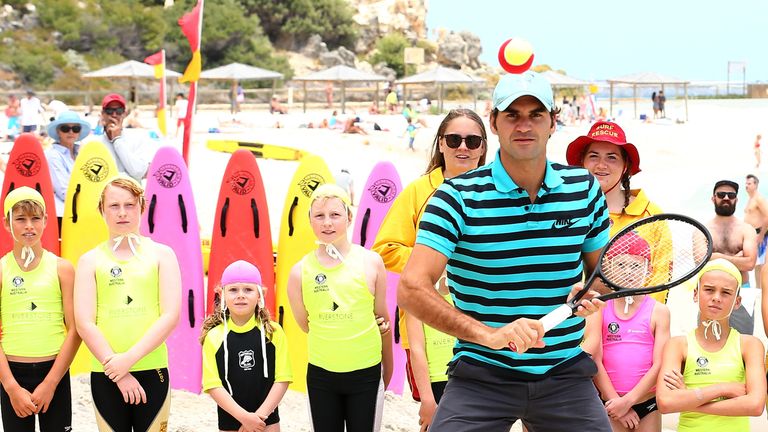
{"x": 229, "y": 35}
{"x": 289, "y": 23}
{"x": 390, "y": 50}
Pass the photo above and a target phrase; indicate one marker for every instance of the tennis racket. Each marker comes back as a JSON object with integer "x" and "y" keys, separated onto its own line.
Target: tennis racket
{"x": 651, "y": 255}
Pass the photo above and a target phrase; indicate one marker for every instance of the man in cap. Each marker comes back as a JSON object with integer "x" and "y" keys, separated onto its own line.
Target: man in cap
{"x": 516, "y": 236}
{"x": 736, "y": 241}
{"x": 131, "y": 157}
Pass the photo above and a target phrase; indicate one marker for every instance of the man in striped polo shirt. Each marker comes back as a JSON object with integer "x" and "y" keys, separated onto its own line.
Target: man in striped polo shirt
{"x": 516, "y": 236}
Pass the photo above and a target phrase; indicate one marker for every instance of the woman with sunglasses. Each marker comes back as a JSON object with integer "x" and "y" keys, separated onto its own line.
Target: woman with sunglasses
{"x": 460, "y": 145}
{"x": 66, "y": 131}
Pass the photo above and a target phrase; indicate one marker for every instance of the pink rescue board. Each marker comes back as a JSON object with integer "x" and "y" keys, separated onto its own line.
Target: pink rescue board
{"x": 171, "y": 219}
{"x": 381, "y": 189}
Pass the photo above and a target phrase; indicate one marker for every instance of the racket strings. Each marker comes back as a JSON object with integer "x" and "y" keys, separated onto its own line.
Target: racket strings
{"x": 654, "y": 254}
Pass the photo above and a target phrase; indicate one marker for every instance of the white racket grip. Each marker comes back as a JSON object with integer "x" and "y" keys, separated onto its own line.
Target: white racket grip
{"x": 552, "y": 319}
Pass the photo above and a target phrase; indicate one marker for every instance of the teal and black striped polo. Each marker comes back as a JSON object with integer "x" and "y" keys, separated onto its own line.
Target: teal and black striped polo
{"x": 510, "y": 259}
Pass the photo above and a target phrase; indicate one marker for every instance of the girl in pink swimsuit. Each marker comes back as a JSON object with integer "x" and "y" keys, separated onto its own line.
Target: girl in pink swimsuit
{"x": 627, "y": 341}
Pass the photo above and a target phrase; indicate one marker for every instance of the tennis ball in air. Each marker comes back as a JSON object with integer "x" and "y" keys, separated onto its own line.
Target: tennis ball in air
{"x": 516, "y": 55}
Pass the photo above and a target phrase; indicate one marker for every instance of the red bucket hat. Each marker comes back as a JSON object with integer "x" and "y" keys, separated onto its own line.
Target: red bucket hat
{"x": 603, "y": 131}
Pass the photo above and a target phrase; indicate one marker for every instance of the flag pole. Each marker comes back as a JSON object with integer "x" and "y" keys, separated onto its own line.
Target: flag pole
{"x": 192, "y": 92}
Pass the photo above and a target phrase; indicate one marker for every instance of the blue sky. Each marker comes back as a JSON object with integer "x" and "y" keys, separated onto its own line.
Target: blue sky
{"x": 598, "y": 39}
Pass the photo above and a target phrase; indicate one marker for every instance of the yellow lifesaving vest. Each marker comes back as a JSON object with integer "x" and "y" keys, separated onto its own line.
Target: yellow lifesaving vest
{"x": 343, "y": 335}
{"x": 128, "y": 301}
{"x": 31, "y": 309}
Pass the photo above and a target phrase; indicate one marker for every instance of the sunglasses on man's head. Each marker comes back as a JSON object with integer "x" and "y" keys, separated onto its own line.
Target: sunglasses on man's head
{"x": 454, "y": 141}
{"x": 722, "y": 195}
{"x": 68, "y": 128}
{"x": 111, "y": 111}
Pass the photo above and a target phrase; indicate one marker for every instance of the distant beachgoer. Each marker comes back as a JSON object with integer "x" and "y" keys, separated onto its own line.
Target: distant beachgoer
{"x": 344, "y": 180}
{"x": 329, "y": 94}
{"x": 275, "y": 107}
{"x": 655, "y": 99}
{"x": 352, "y": 125}
{"x": 410, "y": 130}
{"x": 12, "y": 112}
{"x": 31, "y": 108}
{"x": 758, "y": 153}
{"x": 756, "y": 214}
{"x": 410, "y": 114}
{"x": 662, "y": 104}
{"x": 67, "y": 131}
{"x": 373, "y": 109}
{"x": 128, "y": 151}
{"x": 180, "y": 110}
{"x": 391, "y": 101}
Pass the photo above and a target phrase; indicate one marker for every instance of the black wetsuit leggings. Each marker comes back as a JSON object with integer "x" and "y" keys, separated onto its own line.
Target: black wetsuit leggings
{"x": 114, "y": 414}
{"x": 58, "y": 417}
{"x": 352, "y": 398}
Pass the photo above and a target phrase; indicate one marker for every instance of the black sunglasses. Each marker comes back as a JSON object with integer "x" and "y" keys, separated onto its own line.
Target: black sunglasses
{"x": 118, "y": 111}
{"x": 722, "y": 195}
{"x": 454, "y": 141}
{"x": 67, "y": 128}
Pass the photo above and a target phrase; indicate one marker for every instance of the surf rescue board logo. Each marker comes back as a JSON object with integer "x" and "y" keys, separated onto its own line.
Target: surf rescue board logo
{"x": 27, "y": 164}
{"x": 309, "y": 183}
{"x": 242, "y": 182}
{"x": 168, "y": 176}
{"x": 383, "y": 190}
{"x": 95, "y": 169}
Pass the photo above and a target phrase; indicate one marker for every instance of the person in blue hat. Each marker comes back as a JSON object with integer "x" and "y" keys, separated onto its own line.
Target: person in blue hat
{"x": 66, "y": 131}
{"x": 514, "y": 238}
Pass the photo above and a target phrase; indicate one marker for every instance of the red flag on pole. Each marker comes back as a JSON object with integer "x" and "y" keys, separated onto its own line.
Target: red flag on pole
{"x": 192, "y": 26}
{"x": 158, "y": 61}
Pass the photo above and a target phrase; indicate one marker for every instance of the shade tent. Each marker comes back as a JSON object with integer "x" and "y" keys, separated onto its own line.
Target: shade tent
{"x": 558, "y": 80}
{"x": 646, "y": 79}
{"x": 440, "y": 76}
{"x": 341, "y": 74}
{"x": 236, "y": 72}
{"x": 130, "y": 69}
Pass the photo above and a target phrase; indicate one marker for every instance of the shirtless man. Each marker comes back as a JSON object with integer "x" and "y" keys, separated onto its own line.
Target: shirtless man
{"x": 735, "y": 241}
{"x": 756, "y": 214}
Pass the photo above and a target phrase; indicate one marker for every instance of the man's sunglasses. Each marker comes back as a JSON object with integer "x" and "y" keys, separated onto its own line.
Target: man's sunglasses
{"x": 68, "y": 128}
{"x": 118, "y": 111}
{"x": 722, "y": 195}
{"x": 454, "y": 141}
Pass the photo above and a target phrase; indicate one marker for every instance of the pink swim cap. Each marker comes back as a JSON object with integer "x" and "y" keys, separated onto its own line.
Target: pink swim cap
{"x": 242, "y": 272}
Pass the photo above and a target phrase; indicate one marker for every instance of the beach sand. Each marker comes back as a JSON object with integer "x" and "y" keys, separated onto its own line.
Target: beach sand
{"x": 680, "y": 164}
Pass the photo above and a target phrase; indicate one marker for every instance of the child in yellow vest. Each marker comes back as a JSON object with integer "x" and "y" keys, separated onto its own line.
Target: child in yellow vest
{"x": 39, "y": 339}
{"x": 336, "y": 292}
{"x": 722, "y": 380}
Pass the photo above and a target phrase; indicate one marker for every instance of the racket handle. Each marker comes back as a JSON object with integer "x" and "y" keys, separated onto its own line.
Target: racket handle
{"x": 552, "y": 319}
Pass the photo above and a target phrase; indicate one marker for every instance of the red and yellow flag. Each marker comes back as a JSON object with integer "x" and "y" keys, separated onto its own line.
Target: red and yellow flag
{"x": 158, "y": 61}
{"x": 191, "y": 26}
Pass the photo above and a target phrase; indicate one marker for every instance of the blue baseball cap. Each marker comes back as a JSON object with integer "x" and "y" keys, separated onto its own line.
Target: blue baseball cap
{"x": 513, "y": 86}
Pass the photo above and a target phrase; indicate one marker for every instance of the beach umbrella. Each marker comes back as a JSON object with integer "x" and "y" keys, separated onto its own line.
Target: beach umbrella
{"x": 236, "y": 72}
{"x": 130, "y": 69}
{"x": 341, "y": 74}
{"x": 440, "y": 76}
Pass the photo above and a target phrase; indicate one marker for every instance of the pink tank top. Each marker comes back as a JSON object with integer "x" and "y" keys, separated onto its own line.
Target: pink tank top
{"x": 627, "y": 344}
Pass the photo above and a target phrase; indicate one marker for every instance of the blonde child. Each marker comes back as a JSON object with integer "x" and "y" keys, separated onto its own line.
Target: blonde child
{"x": 629, "y": 336}
{"x": 246, "y": 368}
{"x": 713, "y": 376}
{"x": 336, "y": 292}
{"x": 38, "y": 341}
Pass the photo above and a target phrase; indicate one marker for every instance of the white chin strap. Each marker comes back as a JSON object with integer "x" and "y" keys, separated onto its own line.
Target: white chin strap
{"x": 331, "y": 250}
{"x": 132, "y": 240}
{"x": 27, "y": 253}
{"x": 628, "y": 301}
{"x": 716, "y": 328}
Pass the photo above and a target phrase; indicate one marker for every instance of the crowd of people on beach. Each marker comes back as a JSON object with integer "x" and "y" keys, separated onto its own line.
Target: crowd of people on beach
{"x": 483, "y": 250}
